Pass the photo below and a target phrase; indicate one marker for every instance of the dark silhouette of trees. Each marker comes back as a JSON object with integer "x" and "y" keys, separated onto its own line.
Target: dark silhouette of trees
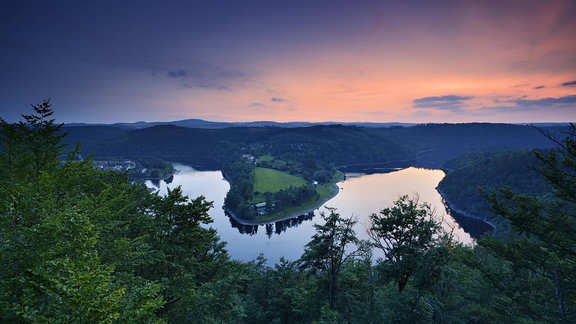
{"x": 543, "y": 250}
{"x": 333, "y": 244}
{"x": 411, "y": 239}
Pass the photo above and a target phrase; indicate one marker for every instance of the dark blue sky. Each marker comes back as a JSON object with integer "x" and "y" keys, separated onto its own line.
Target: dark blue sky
{"x": 317, "y": 60}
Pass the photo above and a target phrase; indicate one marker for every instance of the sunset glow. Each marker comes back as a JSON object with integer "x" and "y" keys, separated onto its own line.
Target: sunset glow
{"x": 316, "y": 60}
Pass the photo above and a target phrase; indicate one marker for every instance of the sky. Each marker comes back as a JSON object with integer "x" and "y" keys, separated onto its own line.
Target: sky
{"x": 416, "y": 61}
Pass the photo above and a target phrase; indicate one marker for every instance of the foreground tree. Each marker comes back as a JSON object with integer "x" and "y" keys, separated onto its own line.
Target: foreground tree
{"x": 333, "y": 244}
{"x": 54, "y": 230}
{"x": 411, "y": 239}
{"x": 186, "y": 255}
{"x": 49, "y": 269}
{"x": 31, "y": 146}
{"x": 542, "y": 252}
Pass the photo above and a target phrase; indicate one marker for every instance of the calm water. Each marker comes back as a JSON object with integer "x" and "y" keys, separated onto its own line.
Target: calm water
{"x": 359, "y": 195}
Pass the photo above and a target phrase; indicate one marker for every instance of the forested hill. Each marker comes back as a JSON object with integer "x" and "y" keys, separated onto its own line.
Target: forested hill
{"x": 426, "y": 145}
{"x": 208, "y": 148}
{"x": 437, "y": 143}
{"x": 473, "y": 174}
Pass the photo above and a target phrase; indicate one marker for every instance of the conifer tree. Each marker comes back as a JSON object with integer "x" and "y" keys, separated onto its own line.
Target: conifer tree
{"x": 333, "y": 244}
{"x": 543, "y": 252}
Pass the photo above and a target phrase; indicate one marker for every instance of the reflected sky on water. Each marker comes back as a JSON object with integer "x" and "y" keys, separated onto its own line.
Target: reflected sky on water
{"x": 359, "y": 195}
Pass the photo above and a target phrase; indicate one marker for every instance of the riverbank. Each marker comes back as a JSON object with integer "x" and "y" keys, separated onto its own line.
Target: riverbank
{"x": 474, "y": 225}
{"x": 289, "y": 213}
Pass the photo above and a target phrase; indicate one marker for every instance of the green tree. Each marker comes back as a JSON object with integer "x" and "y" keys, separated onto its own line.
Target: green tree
{"x": 60, "y": 276}
{"x": 238, "y": 200}
{"x": 186, "y": 254}
{"x": 358, "y": 291}
{"x": 542, "y": 252}
{"x": 52, "y": 217}
{"x": 411, "y": 239}
{"x": 333, "y": 244}
{"x": 117, "y": 210}
{"x": 32, "y": 145}
{"x": 50, "y": 268}
{"x": 44, "y": 137}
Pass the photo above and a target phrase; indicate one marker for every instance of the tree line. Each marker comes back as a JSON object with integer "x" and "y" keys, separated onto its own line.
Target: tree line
{"x": 83, "y": 245}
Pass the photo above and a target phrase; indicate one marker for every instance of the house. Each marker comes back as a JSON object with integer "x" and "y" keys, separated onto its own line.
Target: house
{"x": 249, "y": 157}
{"x": 261, "y": 208}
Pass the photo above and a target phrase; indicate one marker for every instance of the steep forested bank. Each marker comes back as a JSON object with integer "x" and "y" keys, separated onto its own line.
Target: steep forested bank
{"x": 470, "y": 176}
{"x": 84, "y": 245}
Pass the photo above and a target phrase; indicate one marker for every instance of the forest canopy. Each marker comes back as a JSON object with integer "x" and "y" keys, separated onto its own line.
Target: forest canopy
{"x": 85, "y": 245}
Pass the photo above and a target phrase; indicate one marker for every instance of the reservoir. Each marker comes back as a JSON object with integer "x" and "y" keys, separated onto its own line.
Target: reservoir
{"x": 359, "y": 196}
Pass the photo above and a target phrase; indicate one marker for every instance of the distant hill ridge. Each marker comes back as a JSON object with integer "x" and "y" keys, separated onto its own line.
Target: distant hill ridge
{"x": 428, "y": 145}
{"x": 200, "y": 123}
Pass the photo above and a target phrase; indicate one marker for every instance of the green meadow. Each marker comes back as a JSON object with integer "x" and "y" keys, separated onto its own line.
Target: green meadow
{"x": 270, "y": 180}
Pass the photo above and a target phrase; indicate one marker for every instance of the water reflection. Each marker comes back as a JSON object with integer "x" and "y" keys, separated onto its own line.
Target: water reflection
{"x": 359, "y": 196}
{"x": 475, "y": 227}
{"x": 366, "y": 194}
{"x": 278, "y": 227}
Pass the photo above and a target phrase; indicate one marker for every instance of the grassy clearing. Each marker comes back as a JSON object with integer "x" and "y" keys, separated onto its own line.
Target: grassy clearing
{"x": 270, "y": 180}
{"x": 326, "y": 192}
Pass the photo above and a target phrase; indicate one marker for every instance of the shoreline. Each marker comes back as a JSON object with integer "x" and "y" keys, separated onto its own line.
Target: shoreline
{"x": 289, "y": 216}
{"x": 466, "y": 214}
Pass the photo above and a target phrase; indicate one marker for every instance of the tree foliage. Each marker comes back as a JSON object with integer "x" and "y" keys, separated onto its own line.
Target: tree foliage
{"x": 411, "y": 240}
{"x": 82, "y": 245}
{"x": 333, "y": 244}
{"x": 543, "y": 251}
{"x": 490, "y": 169}
{"x": 50, "y": 268}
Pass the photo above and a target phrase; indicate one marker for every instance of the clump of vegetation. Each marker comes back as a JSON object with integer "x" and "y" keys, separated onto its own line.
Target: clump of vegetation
{"x": 152, "y": 168}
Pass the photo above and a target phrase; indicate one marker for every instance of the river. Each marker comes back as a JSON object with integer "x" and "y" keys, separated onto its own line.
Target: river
{"x": 359, "y": 196}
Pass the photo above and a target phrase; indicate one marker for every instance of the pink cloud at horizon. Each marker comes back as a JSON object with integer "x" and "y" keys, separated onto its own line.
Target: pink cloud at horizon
{"x": 441, "y": 61}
